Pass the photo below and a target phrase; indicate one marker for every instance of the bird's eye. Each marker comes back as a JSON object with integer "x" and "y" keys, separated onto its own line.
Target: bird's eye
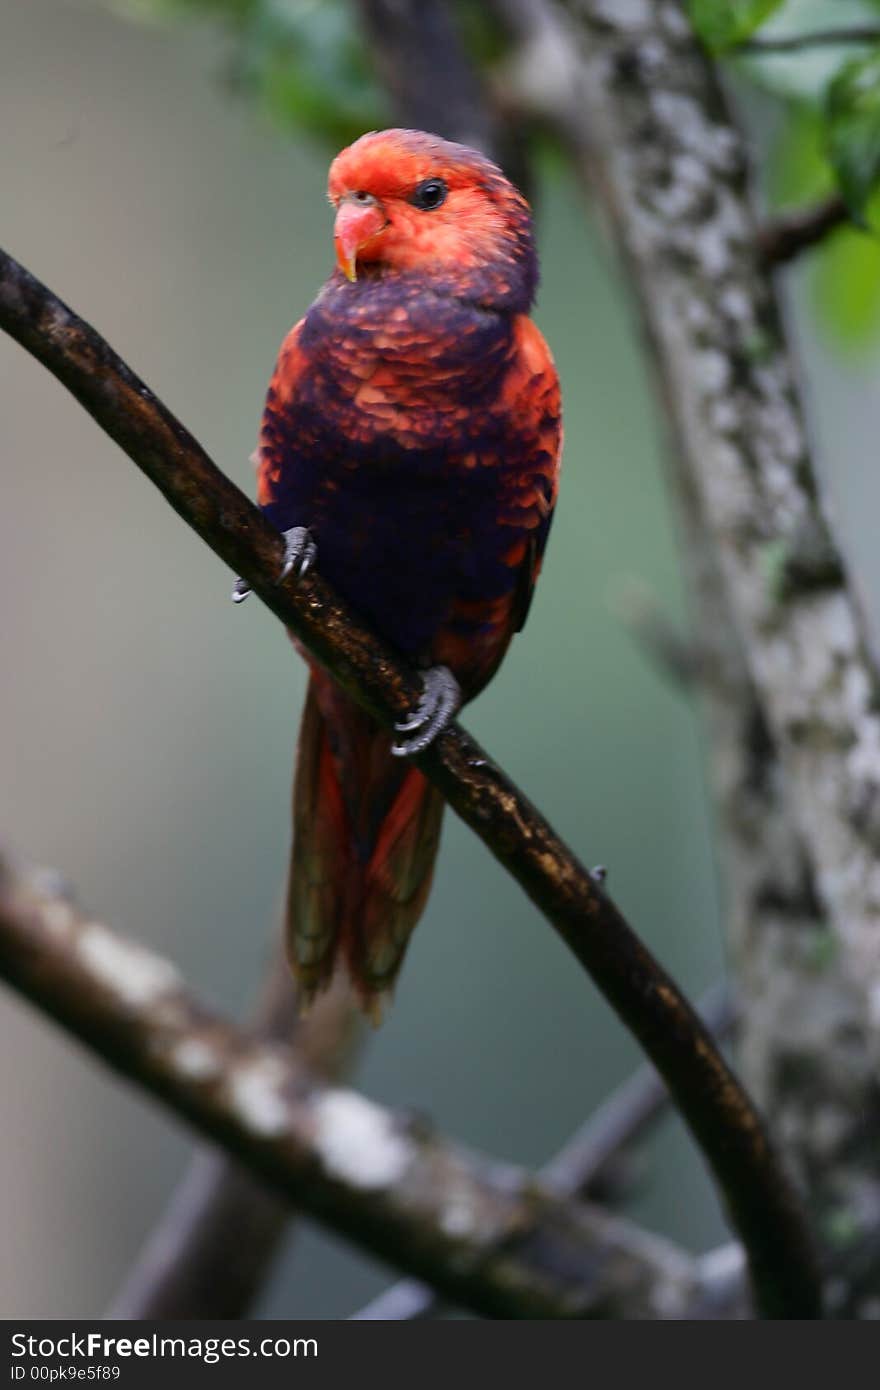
{"x": 429, "y": 195}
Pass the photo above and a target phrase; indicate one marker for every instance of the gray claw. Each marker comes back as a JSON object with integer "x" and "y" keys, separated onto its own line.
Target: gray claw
{"x": 300, "y": 552}
{"x": 437, "y": 708}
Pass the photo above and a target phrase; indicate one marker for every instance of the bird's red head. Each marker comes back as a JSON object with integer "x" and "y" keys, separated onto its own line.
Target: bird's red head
{"x": 410, "y": 202}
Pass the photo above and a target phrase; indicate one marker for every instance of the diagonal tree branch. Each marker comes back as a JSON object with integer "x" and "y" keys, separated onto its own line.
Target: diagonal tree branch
{"x": 758, "y": 1195}
{"x": 484, "y": 1234}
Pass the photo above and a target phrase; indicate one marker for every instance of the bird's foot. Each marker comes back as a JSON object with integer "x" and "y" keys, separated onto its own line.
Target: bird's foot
{"x": 440, "y": 702}
{"x": 300, "y": 553}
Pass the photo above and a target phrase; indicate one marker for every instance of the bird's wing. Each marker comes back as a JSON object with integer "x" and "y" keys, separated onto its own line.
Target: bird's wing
{"x": 269, "y": 456}
{"x": 531, "y": 400}
{"x": 525, "y": 428}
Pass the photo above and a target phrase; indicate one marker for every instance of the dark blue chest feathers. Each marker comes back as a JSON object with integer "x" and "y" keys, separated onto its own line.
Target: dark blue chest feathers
{"x": 393, "y": 450}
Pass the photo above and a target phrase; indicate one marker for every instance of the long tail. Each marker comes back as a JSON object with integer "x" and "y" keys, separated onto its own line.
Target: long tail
{"x": 366, "y": 827}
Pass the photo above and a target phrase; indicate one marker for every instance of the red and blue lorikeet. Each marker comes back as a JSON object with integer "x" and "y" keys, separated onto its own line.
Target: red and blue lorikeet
{"x": 410, "y": 447}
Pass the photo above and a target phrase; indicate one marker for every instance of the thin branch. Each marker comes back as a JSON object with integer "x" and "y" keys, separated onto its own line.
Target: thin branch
{"x": 581, "y": 1165}
{"x": 816, "y": 38}
{"x": 787, "y": 236}
{"x": 212, "y": 1249}
{"x": 757, "y": 1192}
{"x": 673, "y": 653}
{"x": 484, "y": 1234}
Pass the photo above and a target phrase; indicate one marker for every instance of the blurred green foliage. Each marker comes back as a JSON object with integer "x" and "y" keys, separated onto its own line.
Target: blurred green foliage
{"x": 305, "y": 64}
{"x": 724, "y": 23}
{"x": 829, "y": 137}
{"x": 303, "y": 61}
{"x": 845, "y": 272}
{"x": 853, "y": 123}
{"x": 846, "y": 288}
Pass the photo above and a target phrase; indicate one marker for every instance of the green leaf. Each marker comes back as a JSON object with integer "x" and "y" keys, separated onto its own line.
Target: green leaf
{"x": 725, "y": 23}
{"x": 799, "y": 168}
{"x": 846, "y": 288}
{"x": 307, "y": 65}
{"x": 844, "y": 272}
{"x": 852, "y": 111}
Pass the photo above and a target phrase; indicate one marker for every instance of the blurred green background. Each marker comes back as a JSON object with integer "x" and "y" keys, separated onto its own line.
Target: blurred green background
{"x": 147, "y": 727}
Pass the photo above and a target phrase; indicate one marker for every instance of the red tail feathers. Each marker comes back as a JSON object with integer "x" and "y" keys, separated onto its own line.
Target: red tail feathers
{"x": 366, "y": 827}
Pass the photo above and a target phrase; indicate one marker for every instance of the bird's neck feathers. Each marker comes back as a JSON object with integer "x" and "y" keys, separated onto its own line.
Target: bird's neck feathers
{"x": 487, "y": 262}
{"x": 476, "y": 246}
{"x": 485, "y": 257}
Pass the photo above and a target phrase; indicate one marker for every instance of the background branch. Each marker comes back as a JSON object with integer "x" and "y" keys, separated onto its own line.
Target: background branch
{"x": 788, "y": 235}
{"x": 213, "y": 1248}
{"x": 484, "y": 1234}
{"x": 587, "y": 1161}
{"x": 432, "y": 83}
{"x": 757, "y": 1193}
{"x": 672, "y": 652}
{"x": 583, "y": 1167}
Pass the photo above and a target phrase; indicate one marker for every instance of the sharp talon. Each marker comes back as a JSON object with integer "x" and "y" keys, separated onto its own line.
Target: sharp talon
{"x": 436, "y": 709}
{"x": 240, "y": 591}
{"x": 300, "y": 552}
{"x": 416, "y": 719}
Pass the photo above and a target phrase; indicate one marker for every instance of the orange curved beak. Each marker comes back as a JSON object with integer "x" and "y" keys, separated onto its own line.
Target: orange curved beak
{"x": 357, "y": 223}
